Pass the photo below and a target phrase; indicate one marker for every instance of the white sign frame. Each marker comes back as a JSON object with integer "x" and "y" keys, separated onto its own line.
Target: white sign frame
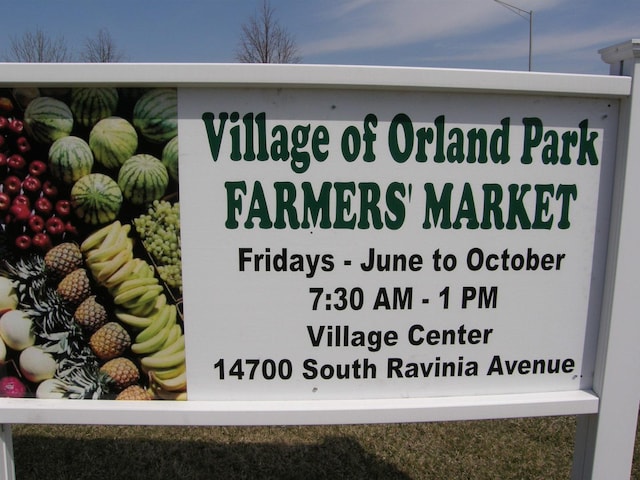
{"x": 607, "y": 414}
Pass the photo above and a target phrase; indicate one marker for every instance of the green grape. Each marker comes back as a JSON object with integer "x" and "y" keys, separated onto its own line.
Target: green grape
{"x": 159, "y": 230}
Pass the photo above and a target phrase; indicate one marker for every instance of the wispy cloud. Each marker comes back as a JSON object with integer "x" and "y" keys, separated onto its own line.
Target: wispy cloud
{"x": 565, "y": 43}
{"x": 363, "y": 24}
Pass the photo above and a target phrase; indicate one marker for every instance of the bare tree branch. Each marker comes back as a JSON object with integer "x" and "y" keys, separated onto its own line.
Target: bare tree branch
{"x": 101, "y": 49}
{"x": 37, "y": 47}
{"x": 264, "y": 40}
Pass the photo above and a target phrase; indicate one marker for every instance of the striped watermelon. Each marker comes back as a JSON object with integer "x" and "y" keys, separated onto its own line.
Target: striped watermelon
{"x": 170, "y": 158}
{"x": 113, "y": 140}
{"x": 155, "y": 115}
{"x": 47, "y": 119}
{"x": 89, "y": 105}
{"x": 143, "y": 178}
{"x": 96, "y": 199}
{"x": 70, "y": 159}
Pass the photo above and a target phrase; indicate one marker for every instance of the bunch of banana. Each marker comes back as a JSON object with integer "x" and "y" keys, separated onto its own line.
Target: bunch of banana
{"x": 141, "y": 305}
{"x": 131, "y": 281}
{"x": 162, "y": 347}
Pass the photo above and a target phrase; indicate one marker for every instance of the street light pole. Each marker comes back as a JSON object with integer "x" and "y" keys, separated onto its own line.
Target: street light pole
{"x": 524, "y": 14}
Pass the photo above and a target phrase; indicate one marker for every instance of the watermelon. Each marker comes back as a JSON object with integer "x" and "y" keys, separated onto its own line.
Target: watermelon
{"x": 47, "y": 119}
{"x": 143, "y": 178}
{"x": 155, "y": 115}
{"x": 170, "y": 158}
{"x": 89, "y": 105}
{"x": 96, "y": 199}
{"x": 70, "y": 159}
{"x": 113, "y": 140}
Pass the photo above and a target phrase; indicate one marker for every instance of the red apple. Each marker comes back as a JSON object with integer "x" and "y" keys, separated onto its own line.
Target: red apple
{"x": 63, "y": 208}
{"x": 19, "y": 213}
{"x": 21, "y": 200}
{"x": 23, "y": 144}
{"x": 37, "y": 168}
{"x": 43, "y": 206}
{"x": 42, "y": 241}
{"x": 16, "y": 125}
{"x": 36, "y": 223}
{"x": 12, "y": 185}
{"x": 16, "y": 162}
{"x": 70, "y": 228}
{"x": 23, "y": 242}
{"x": 31, "y": 185}
{"x": 49, "y": 189}
{"x": 5, "y": 201}
{"x": 55, "y": 226}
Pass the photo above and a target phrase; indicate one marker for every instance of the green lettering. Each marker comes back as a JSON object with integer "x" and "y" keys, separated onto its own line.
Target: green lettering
{"x": 466, "y": 209}
{"x": 542, "y": 219}
{"x": 285, "y": 198}
{"x": 436, "y": 206}
{"x": 517, "y": 209}
{"x": 492, "y": 200}
{"x": 532, "y": 137}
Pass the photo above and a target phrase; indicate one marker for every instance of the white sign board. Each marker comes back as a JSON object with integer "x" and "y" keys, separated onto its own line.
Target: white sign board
{"x": 389, "y": 244}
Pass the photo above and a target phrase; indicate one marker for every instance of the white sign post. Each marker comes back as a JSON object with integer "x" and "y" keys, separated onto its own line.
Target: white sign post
{"x": 605, "y": 441}
{"x": 395, "y": 245}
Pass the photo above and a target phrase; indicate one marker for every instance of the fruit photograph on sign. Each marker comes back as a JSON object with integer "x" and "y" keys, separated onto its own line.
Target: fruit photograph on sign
{"x": 90, "y": 260}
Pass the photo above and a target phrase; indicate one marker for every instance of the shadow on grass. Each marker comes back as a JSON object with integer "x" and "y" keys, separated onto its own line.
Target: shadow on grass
{"x": 39, "y": 457}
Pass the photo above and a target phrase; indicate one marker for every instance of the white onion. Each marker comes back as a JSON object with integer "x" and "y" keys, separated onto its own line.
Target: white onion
{"x": 37, "y": 365}
{"x": 51, "y": 388}
{"x": 3, "y": 352}
{"x": 15, "y": 330}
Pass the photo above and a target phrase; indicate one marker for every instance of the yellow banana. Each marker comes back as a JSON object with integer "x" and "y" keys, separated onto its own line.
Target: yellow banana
{"x": 121, "y": 275}
{"x": 161, "y": 301}
{"x": 96, "y": 238}
{"x": 165, "y": 395}
{"x": 103, "y": 270}
{"x": 174, "y": 384}
{"x": 177, "y": 345}
{"x": 133, "y": 283}
{"x": 146, "y": 309}
{"x": 144, "y": 302}
{"x": 143, "y": 269}
{"x": 103, "y": 254}
{"x": 163, "y": 361}
{"x": 112, "y": 234}
{"x": 168, "y": 326}
{"x": 159, "y": 321}
{"x": 173, "y": 337}
{"x": 133, "y": 321}
{"x": 166, "y": 373}
{"x": 138, "y": 264}
{"x": 144, "y": 293}
{"x": 153, "y": 344}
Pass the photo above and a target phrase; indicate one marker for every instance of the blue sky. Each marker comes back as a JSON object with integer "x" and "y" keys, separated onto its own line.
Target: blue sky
{"x": 567, "y": 34}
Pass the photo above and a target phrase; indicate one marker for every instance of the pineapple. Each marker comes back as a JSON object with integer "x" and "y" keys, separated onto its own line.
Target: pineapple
{"x": 63, "y": 259}
{"x": 28, "y": 274}
{"x": 59, "y": 332}
{"x": 135, "y": 392}
{"x": 90, "y": 314}
{"x": 122, "y": 372}
{"x": 75, "y": 287}
{"x": 110, "y": 341}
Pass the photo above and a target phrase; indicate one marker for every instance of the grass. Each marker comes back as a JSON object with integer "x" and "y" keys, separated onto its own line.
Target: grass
{"x": 526, "y": 448}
